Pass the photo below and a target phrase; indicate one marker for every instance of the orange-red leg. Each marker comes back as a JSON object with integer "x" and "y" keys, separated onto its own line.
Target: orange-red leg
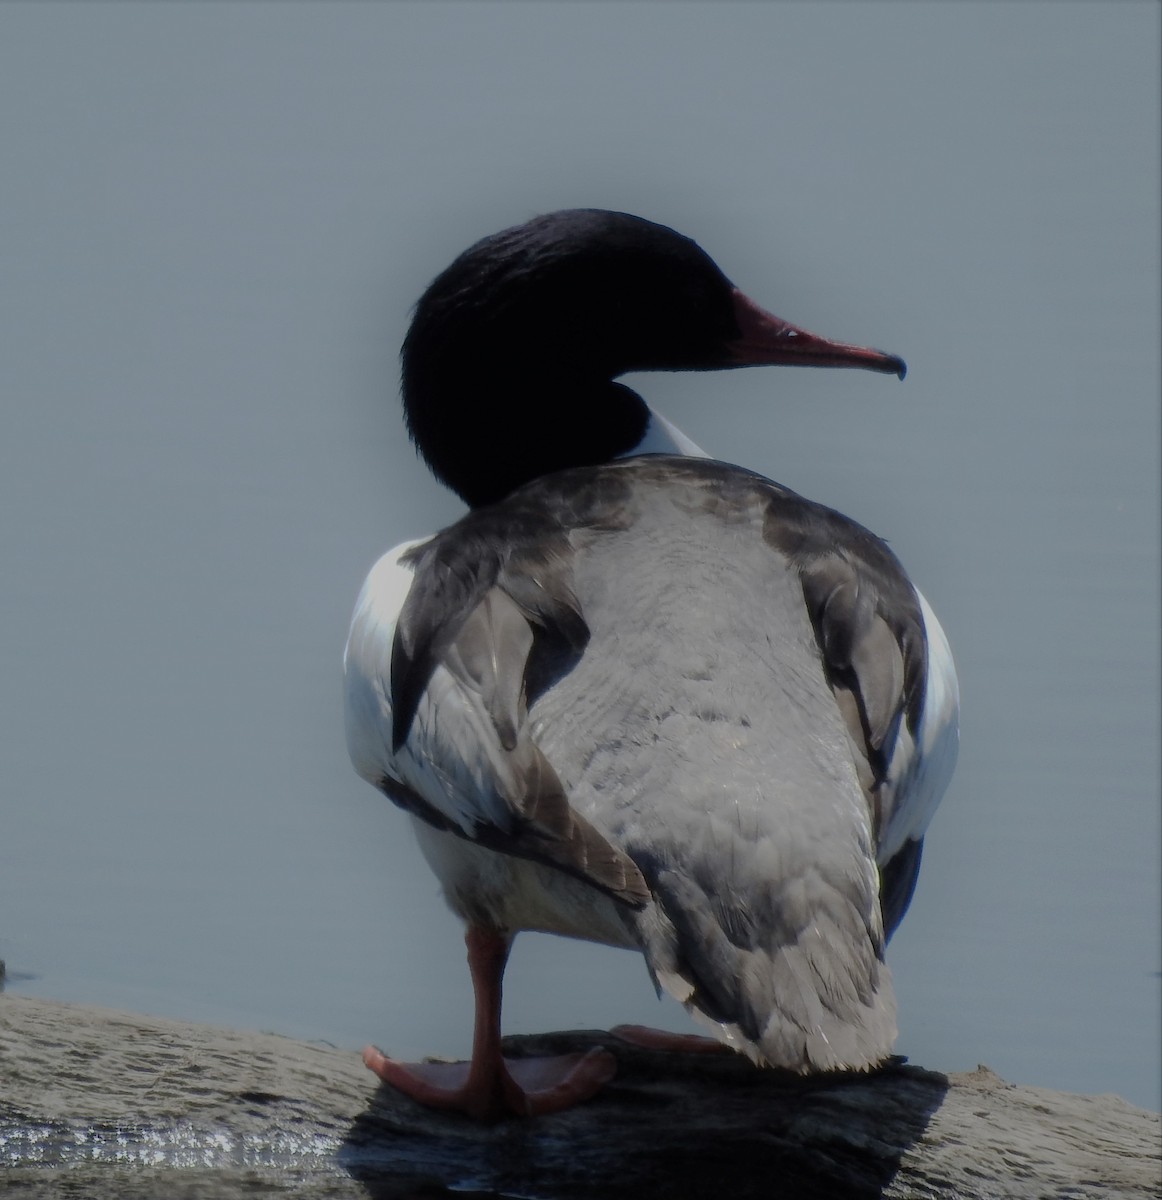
{"x": 490, "y": 1086}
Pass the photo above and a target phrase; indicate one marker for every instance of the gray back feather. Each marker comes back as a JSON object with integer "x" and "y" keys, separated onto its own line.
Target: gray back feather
{"x": 704, "y": 673}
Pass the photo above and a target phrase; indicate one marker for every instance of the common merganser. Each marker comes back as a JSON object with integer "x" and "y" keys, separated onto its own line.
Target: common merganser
{"x": 645, "y": 699}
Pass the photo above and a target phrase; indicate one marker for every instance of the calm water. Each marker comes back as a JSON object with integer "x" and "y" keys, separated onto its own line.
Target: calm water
{"x": 215, "y": 221}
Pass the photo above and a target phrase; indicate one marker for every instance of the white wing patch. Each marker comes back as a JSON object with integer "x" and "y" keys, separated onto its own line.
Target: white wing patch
{"x": 367, "y": 665}
{"x": 920, "y": 769}
{"x": 446, "y": 758}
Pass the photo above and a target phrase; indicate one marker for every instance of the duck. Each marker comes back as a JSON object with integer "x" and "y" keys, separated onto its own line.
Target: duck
{"x": 636, "y": 695}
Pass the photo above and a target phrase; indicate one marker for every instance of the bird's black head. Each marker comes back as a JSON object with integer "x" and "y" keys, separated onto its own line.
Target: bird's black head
{"x": 509, "y": 364}
{"x": 581, "y": 291}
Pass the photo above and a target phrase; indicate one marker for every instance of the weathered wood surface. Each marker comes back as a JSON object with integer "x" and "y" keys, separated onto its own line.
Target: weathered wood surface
{"x": 102, "y": 1104}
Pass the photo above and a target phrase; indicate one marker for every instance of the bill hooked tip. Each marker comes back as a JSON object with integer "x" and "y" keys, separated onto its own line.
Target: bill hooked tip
{"x": 867, "y": 359}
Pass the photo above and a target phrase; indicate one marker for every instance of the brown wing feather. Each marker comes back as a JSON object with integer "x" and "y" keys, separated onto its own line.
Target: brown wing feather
{"x": 487, "y": 655}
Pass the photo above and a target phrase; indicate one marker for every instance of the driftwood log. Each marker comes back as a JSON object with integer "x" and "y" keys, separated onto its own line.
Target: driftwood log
{"x": 101, "y": 1104}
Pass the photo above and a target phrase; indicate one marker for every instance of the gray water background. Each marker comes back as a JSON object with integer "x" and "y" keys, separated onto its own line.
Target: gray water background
{"x": 213, "y": 222}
